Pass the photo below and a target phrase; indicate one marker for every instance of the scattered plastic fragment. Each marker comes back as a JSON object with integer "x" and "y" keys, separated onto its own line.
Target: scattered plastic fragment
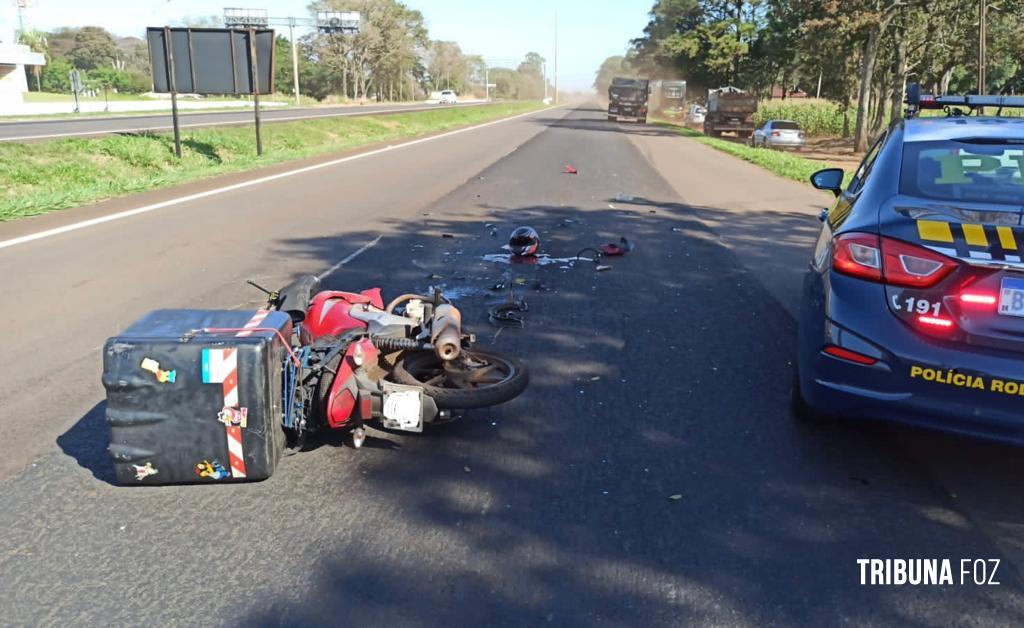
{"x": 675, "y": 497}
{"x": 508, "y": 314}
{"x": 570, "y": 170}
{"x": 613, "y": 250}
{"x": 434, "y": 276}
{"x": 601, "y": 267}
{"x": 447, "y": 235}
{"x": 677, "y": 229}
{"x": 541, "y": 260}
{"x": 466, "y": 469}
{"x": 624, "y": 198}
{"x": 520, "y": 281}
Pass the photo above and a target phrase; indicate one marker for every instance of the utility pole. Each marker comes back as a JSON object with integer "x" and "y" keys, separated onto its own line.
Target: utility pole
{"x": 982, "y": 46}
{"x": 556, "y": 54}
{"x": 544, "y": 77}
{"x": 295, "y": 60}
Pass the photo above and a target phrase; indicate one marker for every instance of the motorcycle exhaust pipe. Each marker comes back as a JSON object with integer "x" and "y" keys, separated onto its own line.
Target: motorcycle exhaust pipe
{"x": 446, "y": 332}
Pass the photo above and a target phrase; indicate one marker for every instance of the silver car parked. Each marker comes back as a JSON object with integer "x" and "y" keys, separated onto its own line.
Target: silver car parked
{"x": 778, "y": 134}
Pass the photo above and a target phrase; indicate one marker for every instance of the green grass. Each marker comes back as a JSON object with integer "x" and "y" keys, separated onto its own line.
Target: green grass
{"x": 775, "y": 161}
{"x": 37, "y": 178}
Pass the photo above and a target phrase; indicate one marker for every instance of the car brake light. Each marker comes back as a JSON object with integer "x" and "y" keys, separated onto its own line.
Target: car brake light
{"x": 850, "y": 356}
{"x": 776, "y": 134}
{"x": 935, "y": 322}
{"x": 978, "y": 299}
{"x": 897, "y": 263}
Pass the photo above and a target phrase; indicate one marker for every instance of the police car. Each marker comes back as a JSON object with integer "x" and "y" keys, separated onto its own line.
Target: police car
{"x": 913, "y": 306}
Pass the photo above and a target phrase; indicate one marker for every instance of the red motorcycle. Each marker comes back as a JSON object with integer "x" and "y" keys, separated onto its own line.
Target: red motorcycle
{"x": 216, "y": 395}
{"x": 406, "y": 363}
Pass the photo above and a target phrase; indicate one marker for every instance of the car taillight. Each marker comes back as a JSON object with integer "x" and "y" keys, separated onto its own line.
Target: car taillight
{"x": 894, "y": 262}
{"x": 776, "y": 134}
{"x": 977, "y": 298}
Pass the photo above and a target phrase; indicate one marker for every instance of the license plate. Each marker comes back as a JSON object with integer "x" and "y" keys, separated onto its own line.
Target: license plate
{"x": 1011, "y": 297}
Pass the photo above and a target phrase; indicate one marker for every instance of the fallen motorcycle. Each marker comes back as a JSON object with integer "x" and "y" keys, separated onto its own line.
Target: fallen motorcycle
{"x": 191, "y": 390}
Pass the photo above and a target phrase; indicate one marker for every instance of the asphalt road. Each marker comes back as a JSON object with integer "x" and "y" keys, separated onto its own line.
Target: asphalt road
{"x": 667, "y": 375}
{"x": 106, "y": 125}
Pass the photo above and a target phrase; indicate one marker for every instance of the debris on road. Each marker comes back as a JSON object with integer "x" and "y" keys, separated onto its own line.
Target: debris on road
{"x": 570, "y": 170}
{"x": 447, "y": 235}
{"x": 524, "y": 242}
{"x": 675, "y": 497}
{"x": 624, "y": 198}
{"x": 508, "y": 314}
{"x": 621, "y": 248}
{"x": 602, "y": 267}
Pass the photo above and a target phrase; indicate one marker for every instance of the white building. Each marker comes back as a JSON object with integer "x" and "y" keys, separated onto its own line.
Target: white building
{"x": 13, "y": 84}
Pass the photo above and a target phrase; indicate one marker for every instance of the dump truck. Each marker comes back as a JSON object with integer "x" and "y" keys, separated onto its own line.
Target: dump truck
{"x": 730, "y": 110}
{"x": 668, "y": 98}
{"x": 627, "y": 98}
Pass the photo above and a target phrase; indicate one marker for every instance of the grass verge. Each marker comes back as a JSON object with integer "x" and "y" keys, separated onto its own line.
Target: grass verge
{"x": 777, "y": 162}
{"x": 37, "y": 178}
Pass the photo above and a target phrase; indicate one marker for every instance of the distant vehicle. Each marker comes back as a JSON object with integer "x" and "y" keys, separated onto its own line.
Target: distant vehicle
{"x": 730, "y": 110}
{"x": 778, "y": 134}
{"x": 696, "y": 115}
{"x": 448, "y": 97}
{"x": 913, "y": 302}
{"x": 668, "y": 98}
{"x": 627, "y": 98}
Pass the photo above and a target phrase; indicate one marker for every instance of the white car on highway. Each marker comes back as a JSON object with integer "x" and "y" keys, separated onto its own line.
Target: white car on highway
{"x": 448, "y": 97}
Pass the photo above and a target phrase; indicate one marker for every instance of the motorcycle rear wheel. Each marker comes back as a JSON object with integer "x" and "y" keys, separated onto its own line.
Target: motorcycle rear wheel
{"x": 477, "y": 379}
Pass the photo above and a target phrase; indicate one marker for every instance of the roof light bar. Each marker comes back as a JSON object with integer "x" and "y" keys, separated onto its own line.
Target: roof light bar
{"x": 916, "y": 101}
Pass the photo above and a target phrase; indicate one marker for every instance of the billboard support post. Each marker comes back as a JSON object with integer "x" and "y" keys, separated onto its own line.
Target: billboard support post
{"x": 174, "y": 90}
{"x": 253, "y": 80}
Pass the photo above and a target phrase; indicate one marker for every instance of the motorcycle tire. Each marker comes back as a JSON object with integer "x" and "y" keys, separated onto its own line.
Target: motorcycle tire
{"x": 451, "y": 398}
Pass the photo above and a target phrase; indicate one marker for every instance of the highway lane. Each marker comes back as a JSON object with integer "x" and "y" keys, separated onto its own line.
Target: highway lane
{"x": 31, "y": 130}
{"x": 667, "y": 375}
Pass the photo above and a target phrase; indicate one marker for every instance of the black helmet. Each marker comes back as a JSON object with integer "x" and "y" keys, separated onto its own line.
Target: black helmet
{"x": 524, "y": 241}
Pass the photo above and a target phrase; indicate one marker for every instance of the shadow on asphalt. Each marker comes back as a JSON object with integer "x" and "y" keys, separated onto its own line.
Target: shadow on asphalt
{"x": 667, "y": 375}
{"x": 86, "y": 441}
{"x": 603, "y": 125}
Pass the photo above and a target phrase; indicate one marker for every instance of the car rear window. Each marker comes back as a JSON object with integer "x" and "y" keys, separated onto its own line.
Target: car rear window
{"x": 782, "y": 125}
{"x": 976, "y": 171}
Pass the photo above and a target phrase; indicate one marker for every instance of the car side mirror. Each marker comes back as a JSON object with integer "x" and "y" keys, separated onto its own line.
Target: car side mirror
{"x": 830, "y": 179}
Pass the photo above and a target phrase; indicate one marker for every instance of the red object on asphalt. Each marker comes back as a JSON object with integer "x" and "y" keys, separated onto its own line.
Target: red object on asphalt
{"x": 570, "y": 170}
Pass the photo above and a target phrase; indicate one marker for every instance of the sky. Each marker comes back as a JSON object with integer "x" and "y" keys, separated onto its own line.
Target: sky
{"x": 503, "y": 31}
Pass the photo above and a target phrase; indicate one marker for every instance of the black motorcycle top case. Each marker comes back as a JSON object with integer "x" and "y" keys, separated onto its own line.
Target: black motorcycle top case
{"x": 186, "y": 405}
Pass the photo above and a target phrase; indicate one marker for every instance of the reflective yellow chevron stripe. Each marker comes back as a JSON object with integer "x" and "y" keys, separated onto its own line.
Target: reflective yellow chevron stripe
{"x": 934, "y": 230}
{"x": 975, "y": 235}
{"x": 1006, "y": 239}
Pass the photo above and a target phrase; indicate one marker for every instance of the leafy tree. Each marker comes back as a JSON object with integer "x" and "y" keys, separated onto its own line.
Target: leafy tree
{"x": 610, "y": 68}
{"x": 55, "y": 76}
{"x": 93, "y": 47}
{"x": 36, "y": 41}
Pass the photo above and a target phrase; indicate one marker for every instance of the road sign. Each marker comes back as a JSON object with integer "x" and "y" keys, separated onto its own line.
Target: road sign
{"x": 76, "y": 81}
{"x": 246, "y": 18}
{"x": 346, "y": 22}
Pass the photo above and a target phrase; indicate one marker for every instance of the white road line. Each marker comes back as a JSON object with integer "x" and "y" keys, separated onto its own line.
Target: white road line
{"x": 244, "y": 184}
{"x": 225, "y": 123}
{"x": 351, "y": 257}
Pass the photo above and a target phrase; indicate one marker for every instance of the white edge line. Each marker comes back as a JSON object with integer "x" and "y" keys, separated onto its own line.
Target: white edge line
{"x": 351, "y": 257}
{"x": 341, "y": 114}
{"x": 244, "y": 184}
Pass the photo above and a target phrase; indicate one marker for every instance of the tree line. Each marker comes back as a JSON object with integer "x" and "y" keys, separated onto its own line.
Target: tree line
{"x": 857, "y": 53}
{"x": 391, "y": 58}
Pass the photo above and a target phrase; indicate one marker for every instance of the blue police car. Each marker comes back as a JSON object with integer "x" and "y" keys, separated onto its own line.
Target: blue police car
{"x": 913, "y": 306}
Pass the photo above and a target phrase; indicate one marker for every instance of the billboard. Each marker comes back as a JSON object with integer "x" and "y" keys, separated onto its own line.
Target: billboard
{"x": 211, "y": 60}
